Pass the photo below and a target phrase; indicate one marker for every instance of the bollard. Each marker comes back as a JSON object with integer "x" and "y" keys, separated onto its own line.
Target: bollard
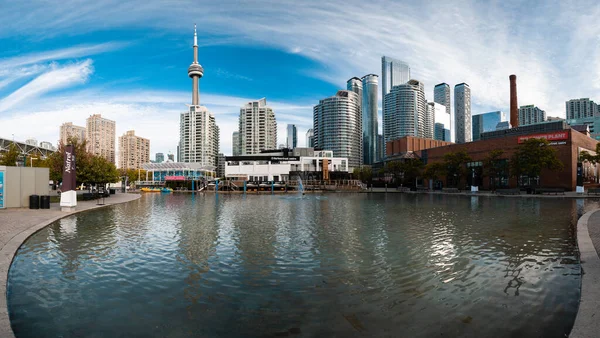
{"x": 244, "y": 187}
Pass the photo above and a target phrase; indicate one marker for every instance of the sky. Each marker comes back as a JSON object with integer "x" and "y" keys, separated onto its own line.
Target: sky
{"x": 61, "y": 61}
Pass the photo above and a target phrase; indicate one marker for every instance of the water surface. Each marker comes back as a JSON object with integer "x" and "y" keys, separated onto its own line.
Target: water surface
{"x": 396, "y": 265}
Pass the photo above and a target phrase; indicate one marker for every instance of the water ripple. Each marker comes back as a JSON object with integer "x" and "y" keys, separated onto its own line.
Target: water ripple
{"x": 341, "y": 265}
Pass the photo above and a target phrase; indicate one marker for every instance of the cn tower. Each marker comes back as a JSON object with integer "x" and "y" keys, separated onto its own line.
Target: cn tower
{"x": 195, "y": 71}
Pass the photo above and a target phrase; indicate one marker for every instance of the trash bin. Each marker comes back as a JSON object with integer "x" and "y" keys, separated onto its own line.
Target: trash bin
{"x": 112, "y": 191}
{"x": 34, "y": 202}
{"x": 44, "y": 202}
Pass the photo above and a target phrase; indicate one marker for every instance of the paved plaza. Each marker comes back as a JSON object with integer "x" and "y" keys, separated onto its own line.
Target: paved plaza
{"x": 16, "y": 225}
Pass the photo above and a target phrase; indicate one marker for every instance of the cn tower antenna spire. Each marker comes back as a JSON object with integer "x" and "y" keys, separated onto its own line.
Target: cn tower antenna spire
{"x": 195, "y": 71}
{"x": 195, "y": 36}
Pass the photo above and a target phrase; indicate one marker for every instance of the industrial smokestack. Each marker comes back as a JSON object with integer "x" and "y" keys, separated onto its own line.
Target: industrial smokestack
{"x": 514, "y": 107}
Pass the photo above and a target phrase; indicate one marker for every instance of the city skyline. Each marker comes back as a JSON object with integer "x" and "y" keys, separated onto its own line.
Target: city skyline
{"x": 69, "y": 62}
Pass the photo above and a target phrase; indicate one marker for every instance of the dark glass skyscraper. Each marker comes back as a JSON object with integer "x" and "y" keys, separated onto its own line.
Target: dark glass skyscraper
{"x": 393, "y": 73}
{"x": 370, "y": 84}
{"x": 483, "y": 123}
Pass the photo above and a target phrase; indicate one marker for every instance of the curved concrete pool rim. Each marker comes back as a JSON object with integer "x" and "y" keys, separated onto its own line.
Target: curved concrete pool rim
{"x": 16, "y": 225}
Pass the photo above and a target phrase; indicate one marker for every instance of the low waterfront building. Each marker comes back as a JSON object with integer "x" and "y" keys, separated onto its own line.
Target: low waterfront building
{"x": 284, "y": 164}
{"x": 178, "y": 173}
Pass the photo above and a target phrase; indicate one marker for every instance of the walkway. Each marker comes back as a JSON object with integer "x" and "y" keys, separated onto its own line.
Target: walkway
{"x": 588, "y": 239}
{"x": 567, "y": 194}
{"x": 16, "y": 225}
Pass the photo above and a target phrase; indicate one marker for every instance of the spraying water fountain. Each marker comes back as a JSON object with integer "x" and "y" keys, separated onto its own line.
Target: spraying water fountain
{"x": 300, "y": 186}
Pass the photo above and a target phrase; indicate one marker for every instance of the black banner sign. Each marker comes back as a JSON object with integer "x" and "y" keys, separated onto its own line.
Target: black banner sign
{"x": 68, "y": 179}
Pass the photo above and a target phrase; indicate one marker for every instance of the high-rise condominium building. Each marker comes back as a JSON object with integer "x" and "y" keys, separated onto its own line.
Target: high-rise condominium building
{"x": 159, "y": 158}
{"x": 235, "y": 144}
{"x": 133, "y": 151}
{"x": 310, "y": 138}
{"x": 441, "y": 95}
{"x": 292, "y": 136}
{"x": 355, "y": 84}
{"x": 462, "y": 113}
{"x": 68, "y": 129}
{"x": 198, "y": 131}
{"x": 531, "y": 115}
{"x": 441, "y": 121}
{"x": 393, "y": 73}
{"x": 370, "y": 128}
{"x": 337, "y": 125}
{"x": 482, "y": 123}
{"x": 405, "y": 111}
{"x": 171, "y": 157}
{"x": 580, "y": 108}
{"x": 100, "y": 137}
{"x": 257, "y": 127}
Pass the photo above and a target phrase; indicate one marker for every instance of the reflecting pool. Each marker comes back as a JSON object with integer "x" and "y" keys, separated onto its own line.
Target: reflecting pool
{"x": 397, "y": 265}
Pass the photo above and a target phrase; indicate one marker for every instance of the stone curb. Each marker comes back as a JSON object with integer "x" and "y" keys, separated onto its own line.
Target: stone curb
{"x": 7, "y": 253}
{"x": 586, "y": 325}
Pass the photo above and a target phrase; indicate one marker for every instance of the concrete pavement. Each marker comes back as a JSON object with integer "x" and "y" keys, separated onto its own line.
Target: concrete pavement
{"x": 16, "y": 225}
{"x": 588, "y": 240}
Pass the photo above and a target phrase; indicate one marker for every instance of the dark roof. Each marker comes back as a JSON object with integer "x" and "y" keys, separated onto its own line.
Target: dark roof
{"x": 462, "y": 83}
{"x": 442, "y": 84}
{"x": 582, "y": 128}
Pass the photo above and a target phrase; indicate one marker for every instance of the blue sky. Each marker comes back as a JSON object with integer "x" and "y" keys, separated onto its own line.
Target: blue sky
{"x": 61, "y": 61}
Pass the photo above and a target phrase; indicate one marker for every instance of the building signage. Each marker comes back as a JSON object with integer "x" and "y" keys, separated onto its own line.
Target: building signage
{"x": 174, "y": 178}
{"x": 557, "y": 136}
{"x": 284, "y": 158}
{"x": 68, "y": 181}
{"x": 1, "y": 189}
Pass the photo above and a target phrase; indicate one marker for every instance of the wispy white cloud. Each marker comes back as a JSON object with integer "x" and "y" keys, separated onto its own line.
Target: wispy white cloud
{"x": 554, "y": 52}
{"x": 58, "y": 77}
{"x": 481, "y": 43}
{"x": 152, "y": 114}
{"x": 9, "y": 63}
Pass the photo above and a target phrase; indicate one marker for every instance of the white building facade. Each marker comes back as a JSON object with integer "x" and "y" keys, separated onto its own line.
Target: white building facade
{"x": 405, "y": 112}
{"x": 257, "y": 127}
{"x": 462, "y": 113}
{"x": 531, "y": 115}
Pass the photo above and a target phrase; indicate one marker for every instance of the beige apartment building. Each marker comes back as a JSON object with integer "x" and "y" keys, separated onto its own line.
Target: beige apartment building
{"x": 133, "y": 151}
{"x": 68, "y": 129}
{"x": 100, "y": 136}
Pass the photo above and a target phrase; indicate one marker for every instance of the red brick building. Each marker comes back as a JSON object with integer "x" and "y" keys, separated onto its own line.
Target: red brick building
{"x": 568, "y": 143}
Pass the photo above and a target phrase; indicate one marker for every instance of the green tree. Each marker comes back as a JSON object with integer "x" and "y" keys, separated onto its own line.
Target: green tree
{"x": 585, "y": 156}
{"x": 36, "y": 160}
{"x": 10, "y": 157}
{"x": 100, "y": 171}
{"x": 82, "y": 160}
{"x": 456, "y": 167}
{"x": 494, "y": 166}
{"x": 134, "y": 174}
{"x": 394, "y": 168}
{"x": 411, "y": 169}
{"x": 532, "y": 156}
{"x": 434, "y": 170}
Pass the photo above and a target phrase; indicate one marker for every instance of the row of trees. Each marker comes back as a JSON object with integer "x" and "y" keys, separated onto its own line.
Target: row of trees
{"x": 529, "y": 159}
{"x": 91, "y": 169}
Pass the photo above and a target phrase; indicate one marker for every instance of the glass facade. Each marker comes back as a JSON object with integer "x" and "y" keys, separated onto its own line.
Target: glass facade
{"x": 405, "y": 111}
{"x": 483, "y": 123}
{"x": 370, "y": 84}
{"x": 441, "y": 95}
{"x": 292, "y": 136}
{"x": 462, "y": 113}
{"x": 393, "y": 73}
{"x": 337, "y": 125}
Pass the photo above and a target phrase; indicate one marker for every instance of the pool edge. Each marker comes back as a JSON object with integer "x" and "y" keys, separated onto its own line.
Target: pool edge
{"x": 8, "y": 251}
